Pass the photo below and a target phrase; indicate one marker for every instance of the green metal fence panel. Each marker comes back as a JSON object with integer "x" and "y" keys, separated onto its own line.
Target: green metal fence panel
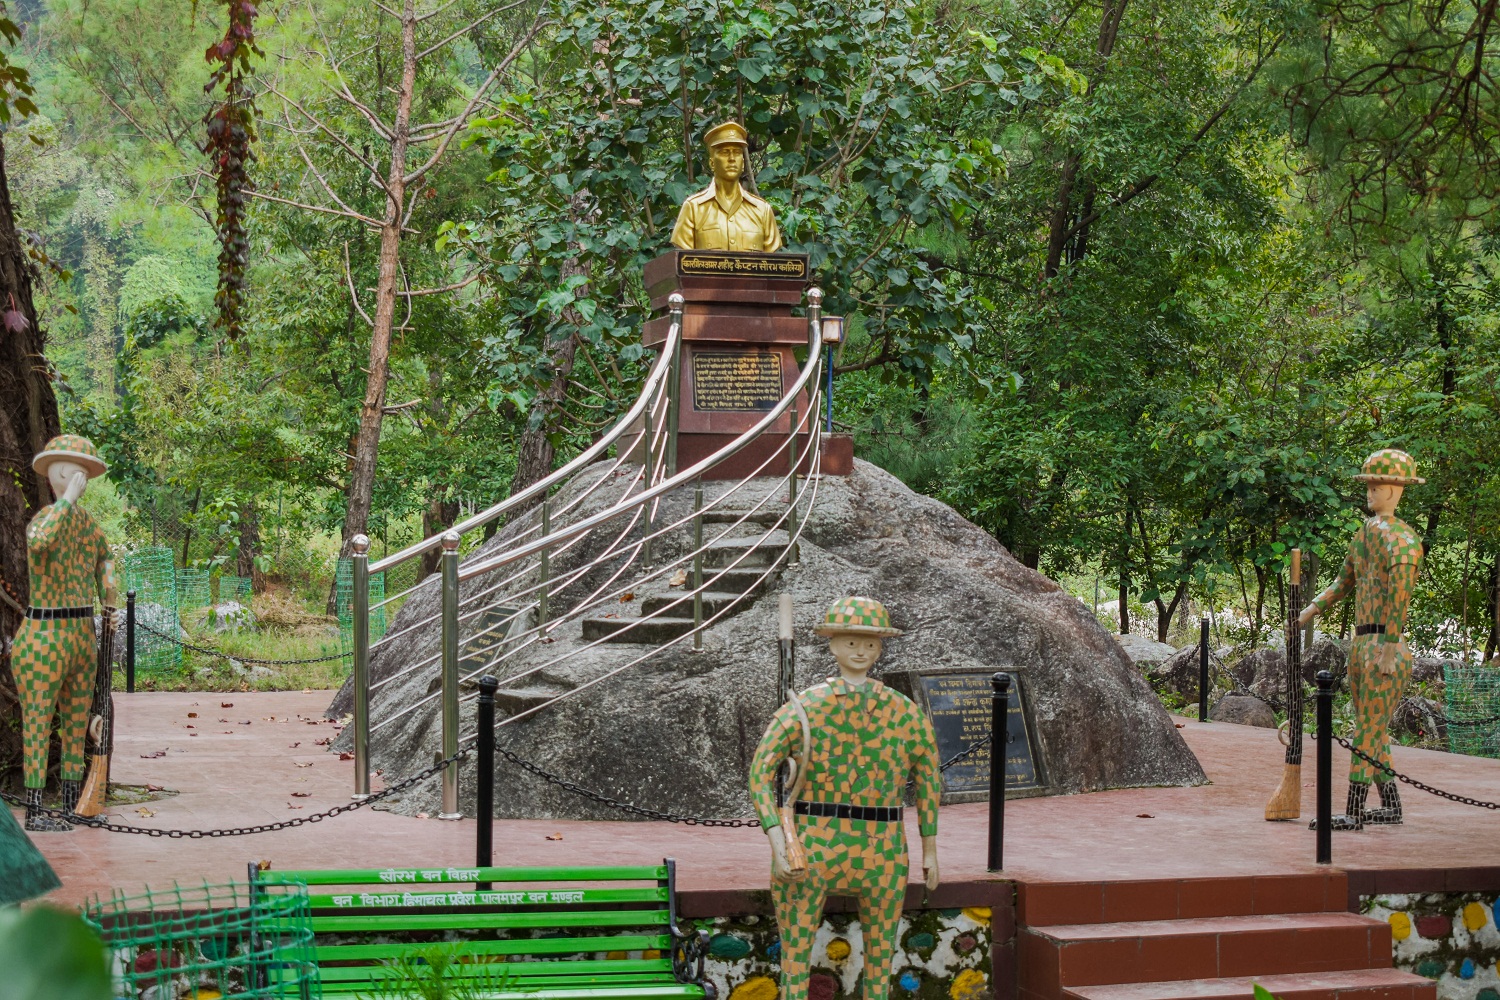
{"x": 234, "y": 588}
{"x": 344, "y": 604}
{"x": 192, "y": 589}
{"x": 210, "y": 939}
{"x": 151, "y": 573}
{"x": 1472, "y": 693}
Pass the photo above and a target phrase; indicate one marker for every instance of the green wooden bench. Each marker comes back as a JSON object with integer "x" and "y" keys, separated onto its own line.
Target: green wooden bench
{"x": 541, "y": 933}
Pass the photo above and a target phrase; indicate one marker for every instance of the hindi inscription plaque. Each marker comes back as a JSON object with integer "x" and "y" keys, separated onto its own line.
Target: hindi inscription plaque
{"x": 710, "y": 263}
{"x": 736, "y": 381}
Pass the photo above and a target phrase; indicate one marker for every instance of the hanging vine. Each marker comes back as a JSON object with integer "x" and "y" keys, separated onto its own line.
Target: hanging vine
{"x": 231, "y": 130}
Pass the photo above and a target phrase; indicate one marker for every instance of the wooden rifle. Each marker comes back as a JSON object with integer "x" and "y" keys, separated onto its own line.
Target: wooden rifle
{"x": 95, "y": 792}
{"x": 1286, "y": 802}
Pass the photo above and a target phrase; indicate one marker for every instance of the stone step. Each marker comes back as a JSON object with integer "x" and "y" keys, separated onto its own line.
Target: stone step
{"x": 1355, "y": 984}
{"x": 713, "y": 602}
{"x": 650, "y": 631}
{"x": 1041, "y": 903}
{"x": 1060, "y": 957}
{"x": 767, "y": 551}
{"x": 772, "y": 513}
{"x": 752, "y": 582}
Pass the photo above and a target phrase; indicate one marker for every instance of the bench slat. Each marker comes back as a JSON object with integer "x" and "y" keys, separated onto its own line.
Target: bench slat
{"x": 397, "y": 877}
{"x": 636, "y": 970}
{"x": 502, "y": 897}
{"x": 479, "y": 920}
{"x": 523, "y": 946}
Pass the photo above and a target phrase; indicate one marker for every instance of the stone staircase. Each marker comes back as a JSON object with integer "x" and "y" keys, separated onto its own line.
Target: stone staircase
{"x": 1195, "y": 939}
{"x": 664, "y": 612}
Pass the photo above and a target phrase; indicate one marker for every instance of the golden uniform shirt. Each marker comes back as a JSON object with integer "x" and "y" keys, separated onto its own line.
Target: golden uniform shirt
{"x": 707, "y": 223}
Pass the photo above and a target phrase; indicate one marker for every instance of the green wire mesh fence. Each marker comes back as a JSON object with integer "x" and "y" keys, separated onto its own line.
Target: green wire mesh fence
{"x": 234, "y": 588}
{"x": 344, "y": 608}
{"x": 209, "y": 941}
{"x": 1472, "y": 693}
{"x": 151, "y": 573}
{"x": 192, "y": 589}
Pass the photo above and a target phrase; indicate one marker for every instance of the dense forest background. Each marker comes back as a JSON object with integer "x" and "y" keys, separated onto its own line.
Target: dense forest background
{"x": 1134, "y": 284}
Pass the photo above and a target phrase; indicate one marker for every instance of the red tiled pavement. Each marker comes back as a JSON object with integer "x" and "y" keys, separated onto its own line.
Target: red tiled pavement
{"x": 1063, "y": 846}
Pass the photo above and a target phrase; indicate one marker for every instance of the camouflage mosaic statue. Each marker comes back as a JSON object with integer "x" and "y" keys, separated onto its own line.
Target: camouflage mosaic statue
{"x": 53, "y": 658}
{"x": 1381, "y": 568}
{"x": 860, "y": 744}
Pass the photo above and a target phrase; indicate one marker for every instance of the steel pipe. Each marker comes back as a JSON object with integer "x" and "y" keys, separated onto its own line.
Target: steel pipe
{"x": 359, "y": 561}
{"x": 450, "y": 674}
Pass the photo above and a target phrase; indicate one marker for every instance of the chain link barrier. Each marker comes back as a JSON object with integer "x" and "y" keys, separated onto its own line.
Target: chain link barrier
{"x": 227, "y": 656}
{"x": 100, "y": 823}
{"x": 1420, "y": 786}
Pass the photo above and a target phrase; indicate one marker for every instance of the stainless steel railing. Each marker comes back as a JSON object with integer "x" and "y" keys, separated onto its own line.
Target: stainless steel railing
{"x": 528, "y": 601}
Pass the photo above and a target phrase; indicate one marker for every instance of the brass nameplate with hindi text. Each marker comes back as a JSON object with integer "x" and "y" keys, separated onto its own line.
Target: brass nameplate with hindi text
{"x": 720, "y": 263}
{"x": 736, "y": 381}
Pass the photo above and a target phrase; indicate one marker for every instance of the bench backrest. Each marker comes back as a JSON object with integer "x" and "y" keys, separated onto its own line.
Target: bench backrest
{"x": 530, "y": 929}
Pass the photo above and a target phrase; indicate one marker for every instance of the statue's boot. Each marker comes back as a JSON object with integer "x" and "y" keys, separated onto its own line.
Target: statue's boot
{"x": 1388, "y": 813}
{"x": 1286, "y": 803}
{"x": 1354, "y": 810}
{"x": 38, "y": 821}
{"x": 70, "y": 793}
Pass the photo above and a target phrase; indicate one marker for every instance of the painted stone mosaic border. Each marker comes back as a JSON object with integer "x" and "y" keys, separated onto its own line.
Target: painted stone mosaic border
{"x": 940, "y": 955}
{"x": 1453, "y": 938}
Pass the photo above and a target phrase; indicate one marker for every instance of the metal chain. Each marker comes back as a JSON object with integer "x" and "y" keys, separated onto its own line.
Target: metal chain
{"x": 237, "y": 659}
{"x": 670, "y": 817}
{"x": 1413, "y": 782}
{"x": 99, "y": 823}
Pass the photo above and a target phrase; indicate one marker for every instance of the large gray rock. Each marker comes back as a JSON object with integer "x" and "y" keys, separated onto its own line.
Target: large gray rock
{"x": 1142, "y": 649}
{"x": 1243, "y": 710}
{"x": 676, "y": 730}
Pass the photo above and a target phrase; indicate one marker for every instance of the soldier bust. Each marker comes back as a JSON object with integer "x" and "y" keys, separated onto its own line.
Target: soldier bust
{"x": 724, "y": 216}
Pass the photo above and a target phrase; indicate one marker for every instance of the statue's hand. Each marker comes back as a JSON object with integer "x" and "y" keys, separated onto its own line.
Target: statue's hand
{"x": 1307, "y": 615}
{"x": 76, "y": 483}
{"x": 116, "y": 617}
{"x": 1389, "y": 653}
{"x": 929, "y": 863}
{"x": 780, "y": 870}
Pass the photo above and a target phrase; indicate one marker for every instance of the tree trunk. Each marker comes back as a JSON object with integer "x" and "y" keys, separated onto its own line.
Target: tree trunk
{"x": 28, "y": 418}
{"x": 536, "y": 453}
{"x": 249, "y": 545}
{"x": 1494, "y": 609}
{"x": 372, "y": 413}
{"x": 439, "y": 516}
{"x": 1125, "y": 579}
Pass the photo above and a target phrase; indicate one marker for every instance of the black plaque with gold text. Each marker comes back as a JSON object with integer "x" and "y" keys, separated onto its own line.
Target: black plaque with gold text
{"x": 958, "y": 702}
{"x": 744, "y": 264}
{"x": 736, "y": 381}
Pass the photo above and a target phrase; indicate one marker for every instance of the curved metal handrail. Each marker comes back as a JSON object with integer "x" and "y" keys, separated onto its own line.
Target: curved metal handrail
{"x": 654, "y": 380}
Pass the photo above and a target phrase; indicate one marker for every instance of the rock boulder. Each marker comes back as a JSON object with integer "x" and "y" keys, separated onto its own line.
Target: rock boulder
{"x": 1243, "y": 710}
{"x": 676, "y": 730}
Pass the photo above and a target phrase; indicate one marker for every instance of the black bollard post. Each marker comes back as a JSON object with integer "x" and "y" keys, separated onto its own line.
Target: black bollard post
{"x": 1325, "y": 767}
{"x": 999, "y": 750}
{"x": 484, "y": 808}
{"x": 1203, "y": 670}
{"x": 130, "y": 642}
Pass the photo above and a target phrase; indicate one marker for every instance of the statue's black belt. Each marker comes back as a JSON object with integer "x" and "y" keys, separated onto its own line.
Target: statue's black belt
{"x": 840, "y": 810}
{"x": 1369, "y": 630}
{"x": 46, "y": 614}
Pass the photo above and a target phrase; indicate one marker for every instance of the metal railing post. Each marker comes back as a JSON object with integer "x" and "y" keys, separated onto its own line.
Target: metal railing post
{"x": 450, "y": 675}
{"x": 359, "y": 612}
{"x": 646, "y": 526}
{"x": 794, "y": 551}
{"x": 1203, "y": 670}
{"x": 1325, "y": 767}
{"x": 674, "y": 385}
{"x": 484, "y": 806}
{"x": 545, "y": 570}
{"x": 786, "y": 674}
{"x": 698, "y": 566}
{"x": 999, "y": 747}
{"x": 130, "y": 641}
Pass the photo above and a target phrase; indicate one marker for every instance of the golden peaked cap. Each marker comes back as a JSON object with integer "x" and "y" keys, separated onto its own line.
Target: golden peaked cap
{"x": 726, "y": 133}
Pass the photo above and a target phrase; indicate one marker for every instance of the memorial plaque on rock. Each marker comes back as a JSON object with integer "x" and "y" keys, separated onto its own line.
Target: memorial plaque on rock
{"x": 957, "y": 700}
{"x": 736, "y": 381}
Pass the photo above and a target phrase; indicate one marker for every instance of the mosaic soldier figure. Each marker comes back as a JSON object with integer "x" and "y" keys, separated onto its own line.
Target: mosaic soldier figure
{"x": 862, "y": 742}
{"x": 53, "y": 656}
{"x": 724, "y": 216}
{"x": 1381, "y": 568}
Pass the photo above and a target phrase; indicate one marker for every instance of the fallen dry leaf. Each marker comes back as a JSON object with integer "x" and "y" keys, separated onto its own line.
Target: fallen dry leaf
{"x": 628, "y": 596}
{"x": 1144, "y": 816}
{"x": 192, "y": 715}
{"x": 554, "y": 836}
{"x": 156, "y": 753}
{"x": 301, "y": 795}
{"x": 226, "y": 704}
{"x": 325, "y": 741}
{"x": 192, "y": 734}
{"x": 155, "y": 788}
{"x": 294, "y": 746}
{"x": 304, "y": 763}
{"x": 224, "y": 720}
{"x": 143, "y": 811}
{"x": 346, "y": 756}
{"x": 421, "y": 815}
{"x": 246, "y": 722}
{"x": 268, "y": 718}
{"x": 191, "y": 727}
{"x": 677, "y": 579}
{"x": 290, "y": 806}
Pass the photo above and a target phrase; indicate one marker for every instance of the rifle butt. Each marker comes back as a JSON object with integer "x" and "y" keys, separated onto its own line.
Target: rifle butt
{"x": 91, "y": 798}
{"x": 1286, "y": 802}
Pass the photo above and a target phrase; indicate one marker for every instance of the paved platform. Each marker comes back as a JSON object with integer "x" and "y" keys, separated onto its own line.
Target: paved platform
{"x": 258, "y": 760}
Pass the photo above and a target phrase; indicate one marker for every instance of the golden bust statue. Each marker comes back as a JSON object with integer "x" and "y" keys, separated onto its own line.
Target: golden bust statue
{"x": 724, "y": 216}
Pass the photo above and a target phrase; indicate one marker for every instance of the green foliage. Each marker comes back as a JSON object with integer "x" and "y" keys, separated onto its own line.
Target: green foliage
{"x": 51, "y": 954}
{"x": 437, "y": 972}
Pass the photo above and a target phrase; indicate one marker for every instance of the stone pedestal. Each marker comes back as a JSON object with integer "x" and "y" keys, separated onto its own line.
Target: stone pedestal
{"x": 742, "y": 350}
